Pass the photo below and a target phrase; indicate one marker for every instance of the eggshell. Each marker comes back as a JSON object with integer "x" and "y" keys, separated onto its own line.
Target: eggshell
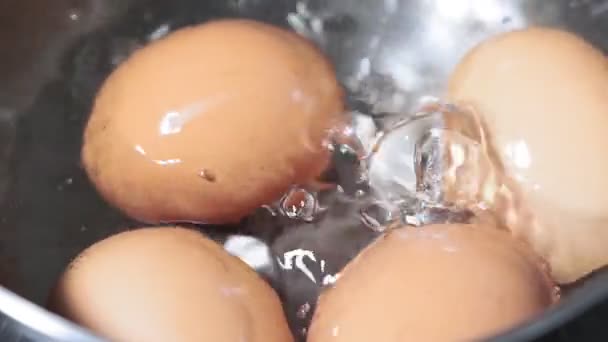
{"x": 542, "y": 96}
{"x": 212, "y": 122}
{"x": 436, "y": 283}
{"x": 168, "y": 284}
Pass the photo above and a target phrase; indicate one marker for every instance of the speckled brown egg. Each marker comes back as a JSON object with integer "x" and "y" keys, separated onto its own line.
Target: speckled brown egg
{"x": 542, "y": 96}
{"x": 435, "y": 283}
{"x": 211, "y": 122}
{"x": 168, "y": 284}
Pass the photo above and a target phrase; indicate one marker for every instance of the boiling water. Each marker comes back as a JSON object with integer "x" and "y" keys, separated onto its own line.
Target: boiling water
{"x": 395, "y": 176}
{"x": 388, "y": 166}
{"x": 299, "y": 244}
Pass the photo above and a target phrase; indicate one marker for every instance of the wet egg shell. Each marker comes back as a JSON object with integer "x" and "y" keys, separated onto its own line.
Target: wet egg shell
{"x": 542, "y": 95}
{"x": 212, "y": 122}
{"x": 168, "y": 284}
{"x": 436, "y": 283}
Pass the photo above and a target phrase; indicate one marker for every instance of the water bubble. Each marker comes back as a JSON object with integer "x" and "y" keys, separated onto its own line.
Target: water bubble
{"x": 376, "y": 216}
{"x": 299, "y": 203}
{"x": 346, "y": 149}
{"x": 349, "y": 165}
{"x": 74, "y": 14}
{"x": 441, "y": 215}
{"x": 304, "y": 310}
{"x": 302, "y": 9}
{"x": 271, "y": 210}
{"x": 159, "y": 32}
{"x": 66, "y": 183}
{"x": 360, "y": 193}
{"x": 428, "y": 166}
{"x": 365, "y": 130}
{"x": 316, "y": 25}
{"x": 557, "y": 292}
{"x": 392, "y": 166}
{"x": 456, "y": 170}
{"x": 298, "y": 23}
{"x": 427, "y": 101}
{"x": 349, "y": 139}
{"x": 330, "y": 279}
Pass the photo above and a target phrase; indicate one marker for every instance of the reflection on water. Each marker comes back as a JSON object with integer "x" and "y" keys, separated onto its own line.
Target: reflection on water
{"x": 395, "y": 51}
{"x": 310, "y": 255}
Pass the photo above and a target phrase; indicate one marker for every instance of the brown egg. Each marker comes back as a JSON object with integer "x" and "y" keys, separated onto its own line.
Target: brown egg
{"x": 212, "y": 122}
{"x": 436, "y": 283}
{"x": 542, "y": 95}
{"x": 168, "y": 284}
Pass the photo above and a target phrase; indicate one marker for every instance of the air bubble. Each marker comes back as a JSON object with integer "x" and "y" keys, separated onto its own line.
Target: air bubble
{"x": 376, "y": 216}
{"x": 349, "y": 139}
{"x": 429, "y": 173}
{"x": 393, "y": 164}
{"x": 428, "y": 166}
{"x": 304, "y": 310}
{"x": 299, "y": 203}
{"x": 360, "y": 193}
{"x": 74, "y": 14}
{"x": 271, "y": 210}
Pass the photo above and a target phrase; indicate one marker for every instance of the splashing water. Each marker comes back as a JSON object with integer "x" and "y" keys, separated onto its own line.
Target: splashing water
{"x": 416, "y": 172}
{"x": 422, "y": 172}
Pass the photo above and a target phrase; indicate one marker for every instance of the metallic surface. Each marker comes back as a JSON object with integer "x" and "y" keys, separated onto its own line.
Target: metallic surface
{"x": 388, "y": 53}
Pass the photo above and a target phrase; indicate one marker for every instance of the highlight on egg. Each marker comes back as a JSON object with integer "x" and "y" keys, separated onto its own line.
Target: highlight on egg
{"x": 168, "y": 284}
{"x": 212, "y": 122}
{"x": 541, "y": 95}
{"x": 434, "y": 283}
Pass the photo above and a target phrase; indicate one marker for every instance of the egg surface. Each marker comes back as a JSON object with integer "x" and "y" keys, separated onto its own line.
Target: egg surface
{"x": 211, "y": 122}
{"x": 435, "y": 283}
{"x": 168, "y": 284}
{"x": 542, "y": 95}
